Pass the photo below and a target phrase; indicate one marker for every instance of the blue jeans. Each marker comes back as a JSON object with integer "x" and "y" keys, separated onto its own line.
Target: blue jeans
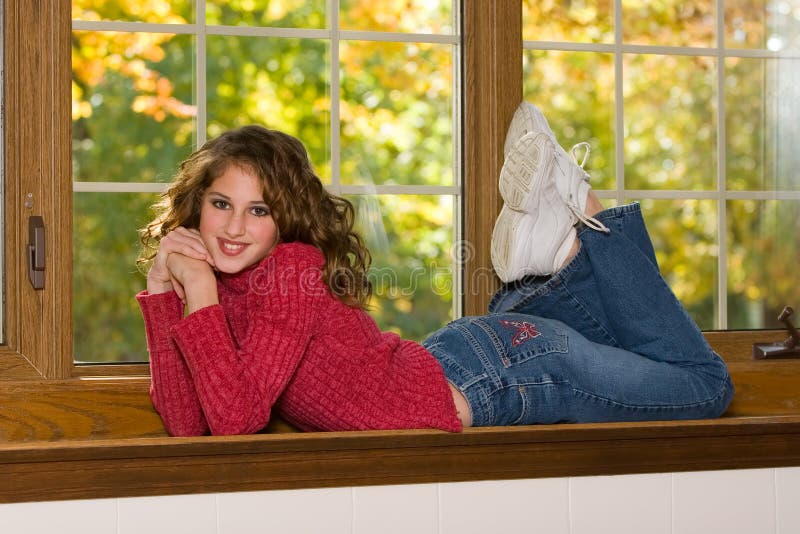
{"x": 604, "y": 339}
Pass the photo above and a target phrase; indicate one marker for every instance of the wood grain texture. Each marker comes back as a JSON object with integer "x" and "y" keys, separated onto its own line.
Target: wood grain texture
{"x": 38, "y": 182}
{"x": 54, "y": 410}
{"x": 14, "y": 366}
{"x": 101, "y": 438}
{"x": 85, "y": 438}
{"x": 493, "y": 75}
{"x": 112, "y": 408}
{"x": 118, "y": 468}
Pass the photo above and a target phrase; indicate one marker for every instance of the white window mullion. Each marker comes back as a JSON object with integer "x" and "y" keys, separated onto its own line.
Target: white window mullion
{"x": 619, "y": 98}
{"x": 200, "y": 72}
{"x": 722, "y": 206}
{"x": 335, "y": 129}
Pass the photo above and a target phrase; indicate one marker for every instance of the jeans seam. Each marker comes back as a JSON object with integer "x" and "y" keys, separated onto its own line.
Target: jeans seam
{"x": 609, "y": 336}
{"x": 489, "y": 371}
{"x": 496, "y": 343}
{"x": 638, "y": 407}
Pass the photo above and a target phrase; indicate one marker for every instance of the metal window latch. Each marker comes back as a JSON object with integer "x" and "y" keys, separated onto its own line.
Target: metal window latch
{"x": 36, "y": 251}
{"x": 782, "y": 349}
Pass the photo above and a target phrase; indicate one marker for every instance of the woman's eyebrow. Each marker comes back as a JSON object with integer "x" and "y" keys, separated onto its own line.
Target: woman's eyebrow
{"x": 226, "y": 197}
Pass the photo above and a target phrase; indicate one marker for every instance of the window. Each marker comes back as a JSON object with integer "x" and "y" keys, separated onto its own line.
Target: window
{"x": 691, "y": 109}
{"x": 372, "y": 92}
{"x": 42, "y": 400}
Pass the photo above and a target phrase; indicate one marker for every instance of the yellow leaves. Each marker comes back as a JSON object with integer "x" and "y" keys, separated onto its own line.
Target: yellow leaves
{"x": 80, "y": 108}
{"x": 96, "y": 54}
{"x": 151, "y": 11}
{"x": 159, "y": 106}
{"x": 147, "y": 9}
{"x": 277, "y": 9}
{"x": 416, "y": 16}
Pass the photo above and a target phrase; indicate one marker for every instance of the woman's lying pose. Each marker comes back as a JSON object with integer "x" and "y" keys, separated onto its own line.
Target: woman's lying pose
{"x": 257, "y": 289}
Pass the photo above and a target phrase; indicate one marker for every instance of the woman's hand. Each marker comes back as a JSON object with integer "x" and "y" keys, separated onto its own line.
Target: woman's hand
{"x": 196, "y": 280}
{"x": 179, "y": 242}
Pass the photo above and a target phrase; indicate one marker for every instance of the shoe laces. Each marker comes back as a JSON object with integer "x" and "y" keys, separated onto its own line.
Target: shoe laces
{"x": 581, "y": 161}
{"x": 590, "y": 222}
{"x": 574, "y": 151}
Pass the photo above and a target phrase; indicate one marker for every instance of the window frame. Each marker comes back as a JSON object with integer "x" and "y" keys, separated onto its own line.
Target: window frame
{"x": 717, "y": 50}
{"x": 60, "y": 435}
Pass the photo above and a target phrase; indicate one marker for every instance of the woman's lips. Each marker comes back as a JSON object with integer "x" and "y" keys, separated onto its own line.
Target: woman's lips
{"x": 231, "y": 248}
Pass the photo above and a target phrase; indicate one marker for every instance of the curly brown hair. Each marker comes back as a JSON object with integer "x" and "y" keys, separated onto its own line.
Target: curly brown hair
{"x": 302, "y": 208}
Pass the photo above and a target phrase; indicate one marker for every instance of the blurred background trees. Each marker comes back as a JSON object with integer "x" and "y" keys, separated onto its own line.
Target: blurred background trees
{"x": 137, "y": 108}
{"x": 135, "y": 117}
{"x": 721, "y": 225}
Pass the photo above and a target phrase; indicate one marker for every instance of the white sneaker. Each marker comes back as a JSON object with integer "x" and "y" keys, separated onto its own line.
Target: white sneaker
{"x": 534, "y": 232}
{"x": 573, "y": 181}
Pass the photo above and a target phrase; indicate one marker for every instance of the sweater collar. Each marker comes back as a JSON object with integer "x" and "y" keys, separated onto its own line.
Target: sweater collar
{"x": 242, "y": 282}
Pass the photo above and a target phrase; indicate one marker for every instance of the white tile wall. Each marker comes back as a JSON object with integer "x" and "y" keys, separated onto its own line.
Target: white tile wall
{"x": 724, "y": 501}
{"x": 787, "y": 496}
{"x": 402, "y": 509}
{"x": 756, "y": 501}
{"x": 632, "y": 504}
{"x": 178, "y": 514}
{"x": 312, "y": 511}
{"x": 65, "y": 517}
{"x": 539, "y": 505}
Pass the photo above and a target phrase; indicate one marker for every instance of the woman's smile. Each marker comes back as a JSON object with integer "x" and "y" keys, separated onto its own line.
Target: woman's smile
{"x": 231, "y": 248}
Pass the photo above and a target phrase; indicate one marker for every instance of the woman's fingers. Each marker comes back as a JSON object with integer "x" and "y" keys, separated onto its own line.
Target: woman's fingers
{"x": 181, "y": 241}
{"x": 184, "y": 241}
{"x": 196, "y": 232}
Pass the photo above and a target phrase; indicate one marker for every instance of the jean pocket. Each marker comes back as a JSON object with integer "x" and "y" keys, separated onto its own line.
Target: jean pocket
{"x": 520, "y": 338}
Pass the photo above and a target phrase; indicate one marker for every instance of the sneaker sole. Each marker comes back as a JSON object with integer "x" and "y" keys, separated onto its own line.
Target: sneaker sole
{"x": 502, "y": 237}
{"x": 506, "y": 228}
{"x": 527, "y": 119}
{"x": 528, "y": 162}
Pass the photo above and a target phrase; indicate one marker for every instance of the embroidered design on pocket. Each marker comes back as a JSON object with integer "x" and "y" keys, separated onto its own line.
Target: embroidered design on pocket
{"x": 525, "y": 331}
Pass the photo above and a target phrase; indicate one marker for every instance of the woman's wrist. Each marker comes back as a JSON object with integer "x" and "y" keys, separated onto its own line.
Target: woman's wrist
{"x": 201, "y": 295}
{"x": 154, "y": 287}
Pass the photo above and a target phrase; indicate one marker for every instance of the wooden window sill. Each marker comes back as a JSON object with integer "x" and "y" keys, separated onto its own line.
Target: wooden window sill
{"x": 37, "y": 471}
{"x": 94, "y": 438}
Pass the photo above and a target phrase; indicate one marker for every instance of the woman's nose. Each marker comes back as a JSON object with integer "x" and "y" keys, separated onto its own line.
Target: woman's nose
{"x": 236, "y": 225}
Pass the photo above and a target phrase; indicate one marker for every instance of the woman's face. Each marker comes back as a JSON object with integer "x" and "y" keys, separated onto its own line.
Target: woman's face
{"x": 235, "y": 222}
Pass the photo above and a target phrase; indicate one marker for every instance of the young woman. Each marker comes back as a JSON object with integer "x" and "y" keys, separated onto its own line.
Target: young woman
{"x": 257, "y": 289}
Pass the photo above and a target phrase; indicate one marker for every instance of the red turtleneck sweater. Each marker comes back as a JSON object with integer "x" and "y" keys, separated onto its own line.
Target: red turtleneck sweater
{"x": 280, "y": 338}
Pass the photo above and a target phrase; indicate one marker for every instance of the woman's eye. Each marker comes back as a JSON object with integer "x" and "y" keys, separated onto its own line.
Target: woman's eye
{"x": 260, "y": 211}
{"x": 220, "y": 204}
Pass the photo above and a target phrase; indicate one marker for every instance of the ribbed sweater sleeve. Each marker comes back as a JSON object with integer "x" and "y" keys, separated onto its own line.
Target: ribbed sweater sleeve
{"x": 171, "y": 388}
{"x": 238, "y": 384}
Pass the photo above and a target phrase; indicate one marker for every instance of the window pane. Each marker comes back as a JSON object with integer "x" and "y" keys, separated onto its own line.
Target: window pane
{"x": 162, "y": 11}
{"x": 581, "y": 21}
{"x": 762, "y": 99}
{"x": 107, "y": 322}
{"x": 763, "y": 249}
{"x": 410, "y": 238}
{"x": 668, "y": 22}
{"x": 583, "y": 113}
{"x": 684, "y": 235}
{"x": 397, "y": 113}
{"x": 670, "y": 122}
{"x": 411, "y": 16}
{"x": 132, "y": 112}
{"x": 280, "y": 14}
{"x": 773, "y": 25}
{"x": 278, "y": 83}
